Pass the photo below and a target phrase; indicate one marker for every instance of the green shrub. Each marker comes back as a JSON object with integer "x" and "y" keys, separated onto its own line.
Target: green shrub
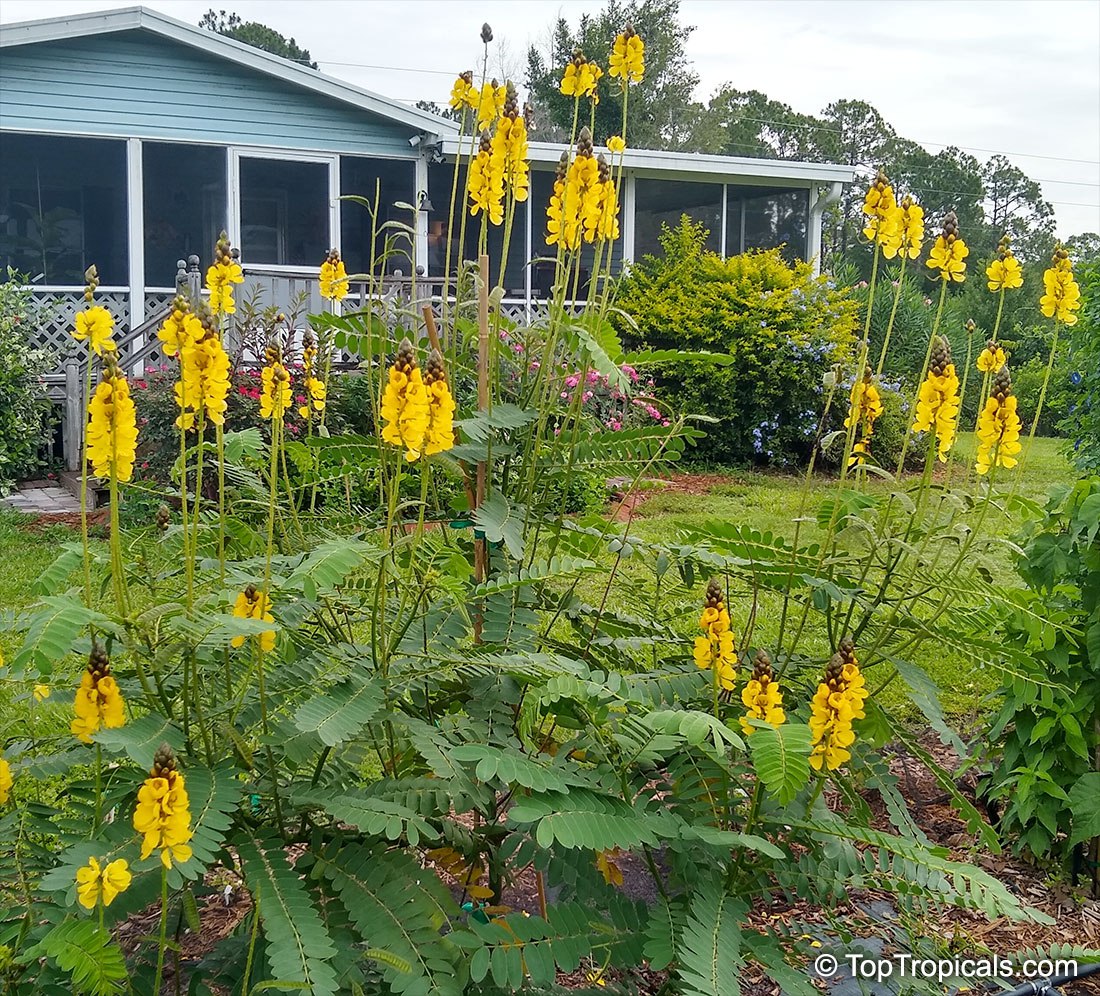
{"x": 782, "y": 326}
{"x": 1081, "y": 422}
{"x": 24, "y": 425}
{"x": 1046, "y": 738}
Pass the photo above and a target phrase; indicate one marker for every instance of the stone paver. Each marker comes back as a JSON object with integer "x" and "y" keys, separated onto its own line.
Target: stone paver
{"x": 51, "y": 500}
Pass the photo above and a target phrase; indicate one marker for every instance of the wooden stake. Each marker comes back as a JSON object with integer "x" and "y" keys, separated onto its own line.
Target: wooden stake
{"x": 433, "y": 332}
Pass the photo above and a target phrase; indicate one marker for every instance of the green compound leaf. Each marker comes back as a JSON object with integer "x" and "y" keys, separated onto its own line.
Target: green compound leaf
{"x": 84, "y": 950}
{"x": 782, "y": 758}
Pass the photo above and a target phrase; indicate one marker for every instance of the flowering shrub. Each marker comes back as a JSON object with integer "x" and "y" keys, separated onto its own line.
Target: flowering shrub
{"x": 24, "y": 427}
{"x": 1081, "y": 422}
{"x": 782, "y": 328}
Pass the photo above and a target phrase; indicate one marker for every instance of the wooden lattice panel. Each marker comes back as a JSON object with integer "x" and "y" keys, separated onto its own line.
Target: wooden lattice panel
{"x": 55, "y": 314}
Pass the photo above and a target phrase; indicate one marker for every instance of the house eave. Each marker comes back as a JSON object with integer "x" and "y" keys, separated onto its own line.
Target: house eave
{"x": 141, "y": 18}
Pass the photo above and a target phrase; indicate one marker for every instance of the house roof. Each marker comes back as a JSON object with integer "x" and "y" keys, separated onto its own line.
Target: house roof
{"x": 692, "y": 165}
{"x": 144, "y": 19}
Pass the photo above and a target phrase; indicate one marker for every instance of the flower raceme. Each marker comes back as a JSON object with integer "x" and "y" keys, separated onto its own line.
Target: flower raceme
{"x": 761, "y": 696}
{"x": 949, "y": 252}
{"x": 904, "y": 230}
{"x": 998, "y": 426}
{"x": 838, "y": 701}
{"x": 864, "y": 407}
{"x": 181, "y": 328}
{"x": 254, "y": 604}
{"x": 938, "y": 401}
{"x": 1004, "y": 272}
{"x": 1062, "y": 297}
{"x": 96, "y": 325}
{"x": 715, "y": 649}
{"x": 275, "y": 396}
{"x": 490, "y": 103}
{"x": 112, "y": 425}
{"x": 333, "y": 277}
{"x": 6, "y": 780}
{"x": 584, "y": 204}
{"x": 315, "y": 388}
{"x": 487, "y": 182}
{"x": 222, "y": 274}
{"x": 992, "y": 358}
{"x": 580, "y": 77}
{"x": 98, "y": 701}
{"x": 204, "y": 377}
{"x": 464, "y": 94}
{"x": 439, "y": 435}
{"x": 405, "y": 406}
{"x": 508, "y": 149}
{"x": 627, "y": 61}
{"x": 163, "y": 811}
{"x": 94, "y": 882}
{"x": 879, "y": 209}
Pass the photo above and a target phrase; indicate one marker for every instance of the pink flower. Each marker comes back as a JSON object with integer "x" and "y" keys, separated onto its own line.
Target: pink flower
{"x": 572, "y": 380}
{"x": 517, "y": 347}
{"x": 615, "y": 424}
{"x": 300, "y": 399}
{"x": 593, "y": 376}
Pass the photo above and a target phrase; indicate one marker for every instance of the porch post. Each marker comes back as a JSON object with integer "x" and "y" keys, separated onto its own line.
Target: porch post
{"x": 135, "y": 203}
{"x": 722, "y": 241}
{"x": 420, "y": 250}
{"x": 628, "y": 217}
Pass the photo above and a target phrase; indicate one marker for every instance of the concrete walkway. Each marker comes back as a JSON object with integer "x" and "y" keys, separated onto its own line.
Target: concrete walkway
{"x": 42, "y": 498}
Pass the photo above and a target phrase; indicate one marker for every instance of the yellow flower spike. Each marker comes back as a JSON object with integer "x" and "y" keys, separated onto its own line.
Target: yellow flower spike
{"x": 405, "y": 407}
{"x": 204, "y": 374}
{"x": 180, "y": 329}
{"x": 627, "y": 61}
{"x": 616, "y": 143}
{"x": 938, "y": 401}
{"x": 716, "y": 649}
{"x": 880, "y": 210}
{"x": 315, "y": 388}
{"x": 464, "y": 93}
{"x": 1004, "y": 272}
{"x": 93, "y": 882}
{"x": 992, "y": 358}
{"x": 254, "y": 604}
{"x": 904, "y": 230}
{"x": 439, "y": 435}
{"x": 163, "y": 813}
{"x": 761, "y": 696}
{"x": 333, "y": 277}
{"x": 275, "y": 395}
{"x": 96, "y": 325}
{"x": 1062, "y": 297}
{"x": 607, "y": 864}
{"x": 507, "y": 164}
{"x": 839, "y": 700}
{"x": 98, "y": 701}
{"x": 998, "y": 426}
{"x": 222, "y": 274}
{"x": 486, "y": 183}
{"x": 864, "y": 408}
{"x": 949, "y": 252}
{"x": 41, "y": 693}
{"x": 112, "y": 425}
{"x": 6, "y": 780}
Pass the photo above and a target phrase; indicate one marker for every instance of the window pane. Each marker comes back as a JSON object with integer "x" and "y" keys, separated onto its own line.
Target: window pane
{"x": 184, "y": 206}
{"x": 392, "y": 182}
{"x": 440, "y": 182}
{"x": 734, "y": 213}
{"x": 284, "y": 212}
{"x": 663, "y": 202}
{"x": 63, "y": 207}
{"x": 778, "y": 220}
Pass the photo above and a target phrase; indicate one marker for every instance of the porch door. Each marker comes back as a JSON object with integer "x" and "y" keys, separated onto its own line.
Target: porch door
{"x": 284, "y": 209}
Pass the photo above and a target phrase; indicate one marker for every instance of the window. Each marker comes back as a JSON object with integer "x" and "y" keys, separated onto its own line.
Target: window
{"x": 63, "y": 208}
{"x": 185, "y": 207}
{"x": 284, "y": 212}
{"x": 393, "y": 182}
{"x": 778, "y": 219}
{"x": 663, "y": 202}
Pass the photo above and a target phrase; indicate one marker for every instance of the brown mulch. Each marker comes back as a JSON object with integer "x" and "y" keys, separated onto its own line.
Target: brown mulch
{"x": 40, "y": 523}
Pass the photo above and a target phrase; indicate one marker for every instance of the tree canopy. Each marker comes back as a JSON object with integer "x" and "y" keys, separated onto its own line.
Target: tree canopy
{"x": 255, "y": 34}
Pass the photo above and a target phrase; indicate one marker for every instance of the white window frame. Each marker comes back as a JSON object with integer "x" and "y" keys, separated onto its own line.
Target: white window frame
{"x": 233, "y": 190}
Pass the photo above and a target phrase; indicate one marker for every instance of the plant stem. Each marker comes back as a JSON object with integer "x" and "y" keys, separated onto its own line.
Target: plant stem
{"x": 163, "y": 940}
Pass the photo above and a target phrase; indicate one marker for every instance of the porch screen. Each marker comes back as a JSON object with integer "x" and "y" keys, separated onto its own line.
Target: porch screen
{"x": 391, "y": 182}
{"x": 185, "y": 206}
{"x": 284, "y": 212}
{"x": 776, "y": 219}
{"x": 62, "y": 208}
{"x": 664, "y": 202}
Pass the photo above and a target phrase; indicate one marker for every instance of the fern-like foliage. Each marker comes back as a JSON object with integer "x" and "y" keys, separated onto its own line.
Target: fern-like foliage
{"x": 297, "y": 944}
{"x": 86, "y": 952}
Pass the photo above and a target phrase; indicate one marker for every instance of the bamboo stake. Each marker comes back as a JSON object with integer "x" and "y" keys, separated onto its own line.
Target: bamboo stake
{"x": 433, "y": 332}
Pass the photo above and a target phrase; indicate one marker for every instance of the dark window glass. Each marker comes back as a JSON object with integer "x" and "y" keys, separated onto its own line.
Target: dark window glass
{"x": 284, "y": 212}
{"x": 63, "y": 207}
{"x": 185, "y": 208}
{"x": 664, "y": 202}
{"x": 778, "y": 219}
{"x": 391, "y": 182}
{"x": 734, "y": 216}
{"x": 441, "y": 179}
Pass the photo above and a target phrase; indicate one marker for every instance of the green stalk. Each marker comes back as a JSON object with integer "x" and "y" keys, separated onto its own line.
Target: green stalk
{"x": 162, "y": 942}
{"x": 84, "y": 487}
{"x": 893, "y": 313}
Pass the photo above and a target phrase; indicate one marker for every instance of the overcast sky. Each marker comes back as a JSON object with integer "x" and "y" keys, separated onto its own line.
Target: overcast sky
{"x": 1020, "y": 77}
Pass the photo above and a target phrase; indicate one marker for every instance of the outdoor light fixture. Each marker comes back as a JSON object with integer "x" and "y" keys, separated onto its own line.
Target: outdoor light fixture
{"x": 424, "y": 201}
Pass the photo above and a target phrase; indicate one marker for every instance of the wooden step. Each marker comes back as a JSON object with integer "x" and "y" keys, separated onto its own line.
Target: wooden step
{"x": 98, "y": 493}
